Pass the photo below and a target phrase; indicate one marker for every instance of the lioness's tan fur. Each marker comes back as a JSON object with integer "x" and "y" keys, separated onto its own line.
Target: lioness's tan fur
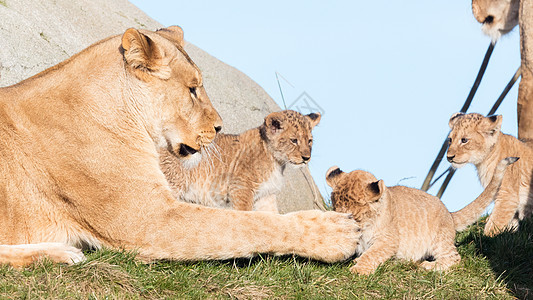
{"x": 245, "y": 171}
{"x": 403, "y": 222}
{"x": 478, "y": 140}
{"x": 80, "y": 166}
{"x": 498, "y": 17}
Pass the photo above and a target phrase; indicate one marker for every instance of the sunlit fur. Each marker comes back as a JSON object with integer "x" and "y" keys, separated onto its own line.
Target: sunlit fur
{"x": 245, "y": 171}
{"x": 478, "y": 140}
{"x": 80, "y": 164}
{"x": 497, "y": 16}
{"x": 403, "y": 222}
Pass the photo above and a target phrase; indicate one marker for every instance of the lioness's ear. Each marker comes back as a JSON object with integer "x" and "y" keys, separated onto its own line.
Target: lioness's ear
{"x": 314, "y": 118}
{"x": 453, "y": 119}
{"x": 144, "y": 56}
{"x": 333, "y": 176}
{"x": 376, "y": 190}
{"x": 493, "y": 124}
{"x": 274, "y": 122}
{"x": 173, "y": 33}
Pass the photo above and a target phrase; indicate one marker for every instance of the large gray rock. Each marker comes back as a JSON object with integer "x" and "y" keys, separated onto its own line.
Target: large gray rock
{"x": 38, "y": 34}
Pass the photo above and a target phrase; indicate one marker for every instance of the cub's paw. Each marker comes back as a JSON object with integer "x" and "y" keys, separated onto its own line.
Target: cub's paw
{"x": 326, "y": 236}
{"x": 361, "y": 268}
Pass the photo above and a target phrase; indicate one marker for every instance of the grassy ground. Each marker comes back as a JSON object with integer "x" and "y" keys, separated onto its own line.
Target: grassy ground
{"x": 498, "y": 267}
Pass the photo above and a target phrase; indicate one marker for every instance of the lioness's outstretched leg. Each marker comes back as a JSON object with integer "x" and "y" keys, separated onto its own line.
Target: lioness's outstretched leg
{"x": 23, "y": 255}
{"x": 184, "y": 231}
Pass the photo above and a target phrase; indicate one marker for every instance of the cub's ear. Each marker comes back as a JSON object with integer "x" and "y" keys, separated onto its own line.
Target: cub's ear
{"x": 173, "y": 33}
{"x": 144, "y": 56}
{"x": 333, "y": 175}
{"x": 314, "y": 118}
{"x": 492, "y": 124}
{"x": 454, "y": 118}
{"x": 274, "y": 122}
{"x": 376, "y": 190}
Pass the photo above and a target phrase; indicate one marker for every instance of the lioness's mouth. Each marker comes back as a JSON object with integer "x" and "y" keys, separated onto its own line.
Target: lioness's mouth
{"x": 186, "y": 150}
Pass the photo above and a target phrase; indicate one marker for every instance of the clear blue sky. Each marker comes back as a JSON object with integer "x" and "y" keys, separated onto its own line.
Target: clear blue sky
{"x": 388, "y": 74}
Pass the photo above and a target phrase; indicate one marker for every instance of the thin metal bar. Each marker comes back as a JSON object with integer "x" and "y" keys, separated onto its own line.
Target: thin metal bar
{"x": 513, "y": 80}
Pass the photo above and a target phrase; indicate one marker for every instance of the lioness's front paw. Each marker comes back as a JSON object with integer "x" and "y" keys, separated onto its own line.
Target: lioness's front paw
{"x": 327, "y": 236}
{"x": 62, "y": 253}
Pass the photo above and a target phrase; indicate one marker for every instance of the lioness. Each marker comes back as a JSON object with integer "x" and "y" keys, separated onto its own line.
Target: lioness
{"x": 478, "y": 140}
{"x": 245, "y": 171}
{"x": 79, "y": 162}
{"x": 404, "y": 222}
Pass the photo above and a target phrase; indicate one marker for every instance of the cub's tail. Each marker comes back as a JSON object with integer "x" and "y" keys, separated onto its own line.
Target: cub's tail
{"x": 470, "y": 213}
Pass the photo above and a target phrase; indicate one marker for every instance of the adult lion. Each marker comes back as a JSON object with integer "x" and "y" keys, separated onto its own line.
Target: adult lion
{"x": 79, "y": 164}
{"x": 500, "y": 17}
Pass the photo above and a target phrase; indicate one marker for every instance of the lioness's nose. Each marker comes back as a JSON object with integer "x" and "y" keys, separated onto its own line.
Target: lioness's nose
{"x": 450, "y": 158}
{"x": 488, "y": 20}
{"x": 218, "y": 129}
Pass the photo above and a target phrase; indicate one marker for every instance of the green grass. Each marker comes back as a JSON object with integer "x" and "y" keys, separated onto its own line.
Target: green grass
{"x": 492, "y": 268}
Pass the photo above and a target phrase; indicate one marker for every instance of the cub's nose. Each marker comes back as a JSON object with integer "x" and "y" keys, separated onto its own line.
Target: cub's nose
{"x": 450, "y": 158}
{"x": 306, "y": 158}
{"x": 218, "y": 129}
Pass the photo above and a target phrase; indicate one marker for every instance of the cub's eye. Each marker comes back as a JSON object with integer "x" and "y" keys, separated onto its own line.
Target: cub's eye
{"x": 464, "y": 140}
{"x": 449, "y": 140}
{"x": 310, "y": 141}
{"x": 192, "y": 90}
{"x": 294, "y": 141}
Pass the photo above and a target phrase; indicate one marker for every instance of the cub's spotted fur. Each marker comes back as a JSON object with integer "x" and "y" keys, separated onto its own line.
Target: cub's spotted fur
{"x": 403, "y": 222}
{"x": 478, "y": 140}
{"x": 245, "y": 171}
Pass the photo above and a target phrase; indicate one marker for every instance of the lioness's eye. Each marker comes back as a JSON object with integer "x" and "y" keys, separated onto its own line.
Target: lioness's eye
{"x": 193, "y": 91}
{"x": 310, "y": 142}
{"x": 449, "y": 140}
{"x": 294, "y": 141}
{"x": 464, "y": 140}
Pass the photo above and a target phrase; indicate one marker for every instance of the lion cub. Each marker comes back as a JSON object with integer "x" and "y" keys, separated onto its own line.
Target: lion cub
{"x": 245, "y": 171}
{"x": 478, "y": 140}
{"x": 404, "y": 222}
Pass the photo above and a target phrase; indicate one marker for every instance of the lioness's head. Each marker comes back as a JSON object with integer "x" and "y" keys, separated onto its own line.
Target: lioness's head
{"x": 173, "y": 83}
{"x": 472, "y": 137}
{"x": 288, "y": 135}
{"x": 497, "y": 16}
{"x": 357, "y": 192}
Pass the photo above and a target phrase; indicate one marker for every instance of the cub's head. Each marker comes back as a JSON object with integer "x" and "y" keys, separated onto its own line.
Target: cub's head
{"x": 171, "y": 86}
{"x": 357, "y": 192}
{"x": 472, "y": 137}
{"x": 288, "y": 135}
{"x": 497, "y": 16}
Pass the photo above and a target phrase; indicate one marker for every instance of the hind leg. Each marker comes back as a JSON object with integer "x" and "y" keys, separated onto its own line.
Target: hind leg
{"x": 23, "y": 255}
{"x": 445, "y": 255}
{"x": 443, "y": 250}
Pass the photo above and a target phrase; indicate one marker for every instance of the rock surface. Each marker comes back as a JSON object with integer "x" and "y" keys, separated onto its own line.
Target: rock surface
{"x": 38, "y": 34}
